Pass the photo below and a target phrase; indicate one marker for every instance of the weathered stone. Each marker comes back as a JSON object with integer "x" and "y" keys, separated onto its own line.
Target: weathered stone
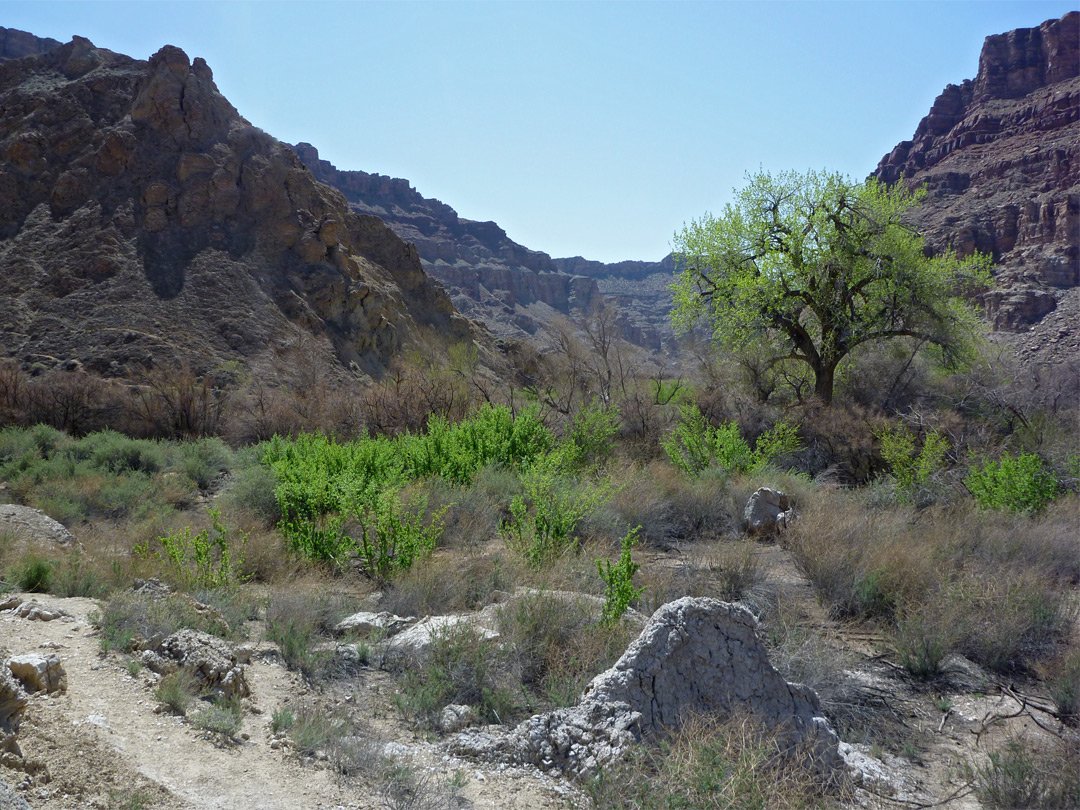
{"x": 455, "y": 717}
{"x": 695, "y": 656}
{"x": 365, "y": 624}
{"x": 210, "y": 659}
{"x": 767, "y": 511}
{"x": 415, "y": 642}
{"x": 12, "y": 702}
{"x": 37, "y": 612}
{"x": 39, "y": 673}
{"x": 30, "y": 525}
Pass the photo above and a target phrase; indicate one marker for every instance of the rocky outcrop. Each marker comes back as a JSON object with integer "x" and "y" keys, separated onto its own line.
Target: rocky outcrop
{"x": 26, "y": 525}
{"x": 695, "y": 656}
{"x": 1000, "y": 156}
{"x": 15, "y": 44}
{"x": 39, "y": 673}
{"x": 211, "y": 661}
{"x": 366, "y": 624}
{"x": 515, "y": 291}
{"x": 144, "y": 222}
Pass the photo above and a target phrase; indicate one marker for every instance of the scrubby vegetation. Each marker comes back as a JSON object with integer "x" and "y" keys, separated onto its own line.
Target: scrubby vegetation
{"x": 937, "y": 514}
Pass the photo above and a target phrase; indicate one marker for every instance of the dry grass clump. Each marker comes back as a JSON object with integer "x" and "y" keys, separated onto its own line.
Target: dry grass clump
{"x": 300, "y": 620}
{"x": 728, "y": 571}
{"x": 440, "y": 585}
{"x": 1021, "y": 773}
{"x": 711, "y": 763}
{"x": 993, "y": 587}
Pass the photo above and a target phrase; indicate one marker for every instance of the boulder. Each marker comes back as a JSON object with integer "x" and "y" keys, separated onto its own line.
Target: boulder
{"x": 767, "y": 511}
{"x": 211, "y": 660}
{"x": 455, "y": 717}
{"x": 29, "y": 525}
{"x": 415, "y": 642}
{"x": 12, "y": 702}
{"x": 37, "y": 612}
{"x": 366, "y": 623}
{"x": 695, "y": 656}
{"x": 39, "y": 673}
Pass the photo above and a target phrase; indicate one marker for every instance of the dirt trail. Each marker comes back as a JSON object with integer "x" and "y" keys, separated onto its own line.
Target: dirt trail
{"x": 106, "y": 747}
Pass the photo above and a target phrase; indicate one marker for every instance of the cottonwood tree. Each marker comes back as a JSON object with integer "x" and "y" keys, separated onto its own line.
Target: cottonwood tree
{"x": 813, "y": 266}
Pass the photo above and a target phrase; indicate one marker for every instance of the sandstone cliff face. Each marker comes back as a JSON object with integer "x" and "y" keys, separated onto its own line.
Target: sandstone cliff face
{"x": 15, "y": 44}
{"x": 143, "y": 221}
{"x": 512, "y": 289}
{"x": 1001, "y": 158}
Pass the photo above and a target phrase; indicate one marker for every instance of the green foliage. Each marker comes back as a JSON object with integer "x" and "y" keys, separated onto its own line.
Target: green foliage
{"x": 1017, "y": 775}
{"x": 1020, "y": 484}
{"x": 619, "y": 590}
{"x": 695, "y": 446}
{"x": 223, "y": 716}
{"x": 281, "y": 719}
{"x": 911, "y": 467}
{"x": 814, "y": 266}
{"x": 542, "y": 524}
{"x": 33, "y": 575}
{"x": 203, "y": 560}
{"x": 591, "y": 433}
{"x": 327, "y": 491}
{"x": 176, "y": 690}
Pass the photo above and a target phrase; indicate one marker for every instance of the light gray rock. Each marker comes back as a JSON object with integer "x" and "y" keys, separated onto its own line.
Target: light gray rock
{"x": 365, "y": 624}
{"x": 37, "y": 612}
{"x": 9, "y": 799}
{"x": 28, "y": 525}
{"x": 694, "y": 656}
{"x": 210, "y": 659}
{"x": 455, "y": 717}
{"x": 767, "y": 511}
{"x": 415, "y": 642}
{"x": 39, "y": 673}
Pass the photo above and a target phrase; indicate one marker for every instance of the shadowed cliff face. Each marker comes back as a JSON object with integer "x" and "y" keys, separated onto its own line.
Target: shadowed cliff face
{"x": 144, "y": 221}
{"x": 1000, "y": 155}
{"x": 15, "y": 44}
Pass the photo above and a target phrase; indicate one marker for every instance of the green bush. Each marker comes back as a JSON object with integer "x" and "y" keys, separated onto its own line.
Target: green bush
{"x": 33, "y": 575}
{"x": 910, "y": 467}
{"x": 281, "y": 719}
{"x": 206, "y": 560}
{"x": 176, "y": 690}
{"x": 619, "y": 590}
{"x": 223, "y": 716}
{"x": 1020, "y": 484}
{"x": 694, "y": 445}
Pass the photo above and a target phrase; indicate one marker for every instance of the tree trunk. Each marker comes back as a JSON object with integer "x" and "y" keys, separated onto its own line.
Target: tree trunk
{"x": 823, "y": 382}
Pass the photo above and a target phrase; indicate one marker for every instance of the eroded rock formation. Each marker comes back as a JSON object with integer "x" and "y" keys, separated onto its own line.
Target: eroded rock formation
{"x": 144, "y": 221}
{"x": 694, "y": 656}
{"x": 1000, "y": 156}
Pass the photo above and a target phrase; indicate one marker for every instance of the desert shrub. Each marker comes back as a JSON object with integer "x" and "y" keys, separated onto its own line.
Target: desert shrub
{"x": 252, "y": 488}
{"x": 922, "y": 644}
{"x": 912, "y": 468}
{"x": 1020, "y": 774}
{"x": 433, "y": 587}
{"x": 619, "y": 590}
{"x": 113, "y": 452}
{"x": 542, "y": 525}
{"x": 128, "y": 616}
{"x": 222, "y": 716}
{"x": 281, "y": 719}
{"x": 461, "y": 666}
{"x": 1062, "y": 678}
{"x": 313, "y": 730}
{"x": 75, "y": 576}
{"x": 176, "y": 691}
{"x": 557, "y": 646}
{"x": 591, "y": 433}
{"x": 469, "y": 515}
{"x": 209, "y": 559}
{"x": 203, "y": 460}
{"x": 695, "y": 445}
{"x": 299, "y": 622}
{"x": 1020, "y": 484}
{"x": 33, "y": 574}
{"x": 713, "y": 763}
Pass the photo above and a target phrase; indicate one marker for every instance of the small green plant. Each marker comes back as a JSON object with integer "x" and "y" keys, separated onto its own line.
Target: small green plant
{"x": 1020, "y": 484}
{"x": 223, "y": 716}
{"x": 176, "y": 690}
{"x": 392, "y": 536}
{"x": 314, "y": 731}
{"x": 129, "y": 799}
{"x": 134, "y": 666}
{"x": 281, "y": 719}
{"x": 912, "y": 468}
{"x": 204, "y": 560}
{"x": 619, "y": 591}
{"x": 1021, "y": 774}
{"x": 33, "y": 575}
{"x": 1063, "y": 683}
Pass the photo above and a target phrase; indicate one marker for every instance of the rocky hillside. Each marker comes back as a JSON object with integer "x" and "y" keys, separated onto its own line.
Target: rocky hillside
{"x": 143, "y": 222}
{"x": 15, "y": 44}
{"x": 515, "y": 291}
{"x": 1000, "y": 155}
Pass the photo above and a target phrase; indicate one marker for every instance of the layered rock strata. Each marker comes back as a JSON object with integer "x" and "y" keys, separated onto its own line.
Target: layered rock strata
{"x": 1000, "y": 157}
{"x": 143, "y": 221}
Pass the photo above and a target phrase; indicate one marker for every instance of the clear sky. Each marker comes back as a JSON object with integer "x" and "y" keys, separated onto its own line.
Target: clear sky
{"x": 583, "y": 128}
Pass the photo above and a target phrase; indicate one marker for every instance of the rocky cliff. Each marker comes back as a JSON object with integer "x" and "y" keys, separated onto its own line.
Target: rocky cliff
{"x": 492, "y": 278}
{"x": 1000, "y": 156}
{"x": 15, "y": 44}
{"x": 143, "y": 221}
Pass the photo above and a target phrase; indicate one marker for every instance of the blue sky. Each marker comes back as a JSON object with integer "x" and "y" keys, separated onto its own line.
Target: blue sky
{"x": 582, "y": 128}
